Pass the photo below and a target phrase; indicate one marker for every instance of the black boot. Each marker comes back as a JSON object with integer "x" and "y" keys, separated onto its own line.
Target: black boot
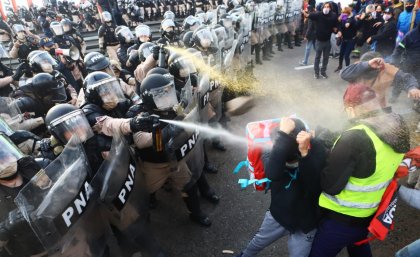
{"x": 252, "y": 49}
{"x": 258, "y": 54}
{"x": 270, "y": 45}
{"x": 208, "y": 167}
{"x": 266, "y": 57}
{"x": 297, "y": 40}
{"x": 279, "y": 41}
{"x": 206, "y": 191}
{"x": 288, "y": 40}
{"x": 193, "y": 205}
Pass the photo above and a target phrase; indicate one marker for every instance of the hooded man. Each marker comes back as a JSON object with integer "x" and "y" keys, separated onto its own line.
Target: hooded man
{"x": 361, "y": 164}
{"x": 293, "y": 167}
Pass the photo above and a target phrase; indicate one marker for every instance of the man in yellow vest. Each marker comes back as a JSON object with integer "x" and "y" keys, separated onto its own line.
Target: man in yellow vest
{"x": 359, "y": 168}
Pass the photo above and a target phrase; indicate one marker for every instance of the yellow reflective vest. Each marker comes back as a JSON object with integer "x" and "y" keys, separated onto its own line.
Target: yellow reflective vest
{"x": 361, "y": 196}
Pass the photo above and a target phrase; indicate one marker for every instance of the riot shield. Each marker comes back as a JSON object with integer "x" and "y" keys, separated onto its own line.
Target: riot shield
{"x": 3, "y": 52}
{"x": 123, "y": 193}
{"x": 9, "y": 111}
{"x": 203, "y": 97}
{"x": 62, "y": 208}
{"x": 228, "y": 58}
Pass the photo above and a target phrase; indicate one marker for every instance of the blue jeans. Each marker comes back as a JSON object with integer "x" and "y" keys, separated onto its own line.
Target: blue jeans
{"x": 299, "y": 243}
{"x": 411, "y": 250}
{"x": 345, "y": 50}
{"x": 310, "y": 44}
{"x": 332, "y": 236}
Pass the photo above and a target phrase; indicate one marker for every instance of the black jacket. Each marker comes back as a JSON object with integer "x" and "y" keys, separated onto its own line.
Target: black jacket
{"x": 350, "y": 32}
{"x": 310, "y": 30}
{"x": 295, "y": 207}
{"x": 385, "y": 38}
{"x": 324, "y": 24}
{"x": 354, "y": 155}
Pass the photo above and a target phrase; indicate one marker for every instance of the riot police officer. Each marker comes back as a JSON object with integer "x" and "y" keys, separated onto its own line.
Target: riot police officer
{"x": 70, "y": 31}
{"x": 126, "y": 38}
{"x": 16, "y": 236}
{"x": 44, "y": 21}
{"x": 23, "y": 43}
{"x": 62, "y": 40}
{"x": 143, "y": 35}
{"x": 107, "y": 39}
{"x": 169, "y": 35}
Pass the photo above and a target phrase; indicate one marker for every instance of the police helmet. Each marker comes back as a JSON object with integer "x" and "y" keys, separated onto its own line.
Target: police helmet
{"x": 67, "y": 25}
{"x": 187, "y": 39}
{"x": 158, "y": 92}
{"x": 65, "y": 120}
{"x": 191, "y": 23}
{"x": 169, "y": 15}
{"x": 143, "y": 31}
{"x": 95, "y": 61}
{"x": 48, "y": 88}
{"x": 41, "y": 61}
{"x": 203, "y": 39}
{"x": 180, "y": 66}
{"x": 57, "y": 28}
{"x": 103, "y": 90}
{"x": 106, "y": 16}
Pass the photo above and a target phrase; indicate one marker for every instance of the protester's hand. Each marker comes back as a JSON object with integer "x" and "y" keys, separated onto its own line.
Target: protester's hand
{"x": 414, "y": 93}
{"x": 377, "y": 63}
{"x": 379, "y": 23}
{"x": 73, "y": 101}
{"x": 304, "y": 142}
{"x": 287, "y": 125}
{"x": 347, "y": 25}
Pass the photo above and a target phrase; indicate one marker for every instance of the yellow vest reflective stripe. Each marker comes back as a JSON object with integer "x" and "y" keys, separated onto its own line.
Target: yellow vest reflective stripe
{"x": 361, "y": 197}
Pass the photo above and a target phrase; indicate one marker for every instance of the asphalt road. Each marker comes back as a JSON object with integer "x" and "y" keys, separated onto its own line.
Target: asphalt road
{"x": 239, "y": 214}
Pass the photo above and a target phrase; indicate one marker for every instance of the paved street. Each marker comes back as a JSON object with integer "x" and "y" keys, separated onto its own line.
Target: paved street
{"x": 239, "y": 213}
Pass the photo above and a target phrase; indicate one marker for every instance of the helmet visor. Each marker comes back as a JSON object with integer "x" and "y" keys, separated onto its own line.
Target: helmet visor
{"x": 185, "y": 66}
{"x": 205, "y": 38}
{"x": 45, "y": 61}
{"x": 56, "y": 92}
{"x": 169, "y": 15}
{"x": 146, "y": 51}
{"x": 71, "y": 124}
{"x": 127, "y": 34}
{"x": 164, "y": 97}
{"x": 110, "y": 91}
{"x": 66, "y": 27}
{"x": 57, "y": 29}
{"x": 167, "y": 23}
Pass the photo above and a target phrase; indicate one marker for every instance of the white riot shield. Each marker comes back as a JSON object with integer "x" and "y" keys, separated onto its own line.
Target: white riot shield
{"x": 62, "y": 208}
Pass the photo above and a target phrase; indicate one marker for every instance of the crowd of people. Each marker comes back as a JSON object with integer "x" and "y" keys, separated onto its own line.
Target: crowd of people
{"x": 87, "y": 138}
{"x": 378, "y": 26}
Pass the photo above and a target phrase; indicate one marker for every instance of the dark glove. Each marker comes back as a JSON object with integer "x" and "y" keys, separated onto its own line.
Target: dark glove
{"x": 47, "y": 151}
{"x": 134, "y": 110}
{"x": 155, "y": 52}
{"x": 20, "y": 70}
{"x": 102, "y": 50}
{"x": 143, "y": 122}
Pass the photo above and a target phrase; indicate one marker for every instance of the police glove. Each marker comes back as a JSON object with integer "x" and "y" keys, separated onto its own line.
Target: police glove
{"x": 20, "y": 70}
{"x": 47, "y": 151}
{"x": 102, "y": 50}
{"x": 15, "y": 221}
{"x": 144, "y": 122}
{"x": 155, "y": 52}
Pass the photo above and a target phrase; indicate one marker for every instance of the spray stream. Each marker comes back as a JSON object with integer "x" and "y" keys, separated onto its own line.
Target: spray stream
{"x": 209, "y": 131}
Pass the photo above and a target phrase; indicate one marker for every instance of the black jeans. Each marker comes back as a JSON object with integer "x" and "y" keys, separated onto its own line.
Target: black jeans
{"x": 322, "y": 48}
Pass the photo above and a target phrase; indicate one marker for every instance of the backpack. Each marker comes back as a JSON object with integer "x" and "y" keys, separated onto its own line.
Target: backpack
{"x": 383, "y": 221}
{"x": 259, "y": 140}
